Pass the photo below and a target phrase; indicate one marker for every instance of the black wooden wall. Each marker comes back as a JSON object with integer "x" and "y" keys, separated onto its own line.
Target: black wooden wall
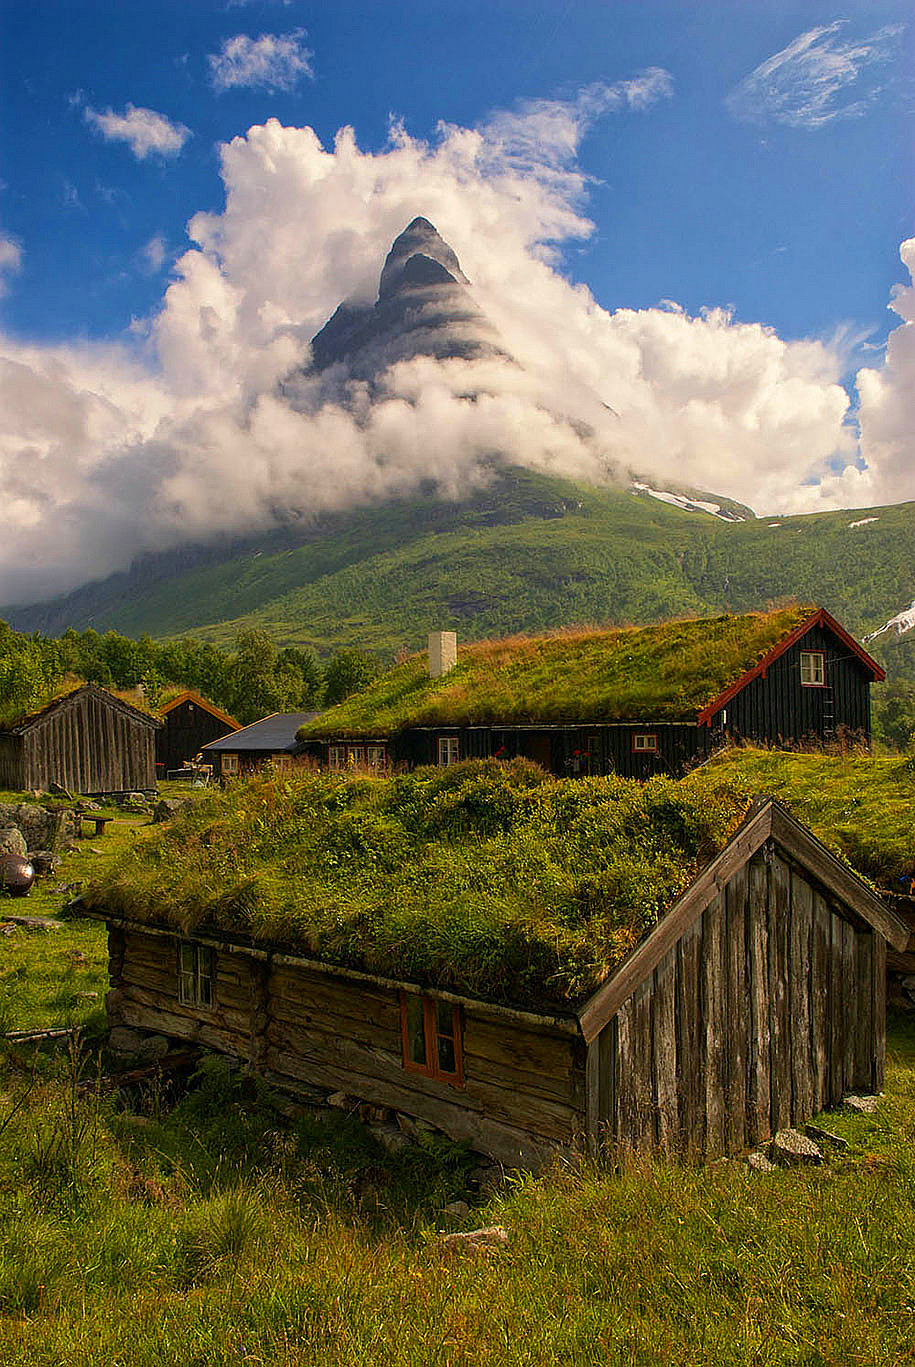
{"x": 186, "y": 729}
{"x": 88, "y": 743}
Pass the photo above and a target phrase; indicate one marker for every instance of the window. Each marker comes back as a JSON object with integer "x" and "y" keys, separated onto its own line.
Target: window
{"x": 195, "y": 974}
{"x": 644, "y": 743}
{"x": 448, "y": 750}
{"x": 432, "y": 1038}
{"x": 281, "y": 761}
{"x": 230, "y": 764}
{"x": 354, "y": 758}
{"x": 813, "y": 669}
{"x": 336, "y": 757}
{"x": 375, "y": 757}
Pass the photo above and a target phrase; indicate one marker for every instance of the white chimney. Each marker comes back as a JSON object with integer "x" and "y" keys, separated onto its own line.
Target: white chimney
{"x": 442, "y": 652}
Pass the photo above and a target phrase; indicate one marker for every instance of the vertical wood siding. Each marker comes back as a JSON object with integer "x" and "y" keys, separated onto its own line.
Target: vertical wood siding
{"x": 186, "y": 729}
{"x": 769, "y": 1008}
{"x": 88, "y": 745}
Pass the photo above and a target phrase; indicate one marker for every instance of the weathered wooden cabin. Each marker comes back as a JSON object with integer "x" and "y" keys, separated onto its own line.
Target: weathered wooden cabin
{"x": 88, "y": 741}
{"x": 757, "y": 1000}
{"x": 631, "y": 701}
{"x": 189, "y": 722}
{"x": 273, "y": 740}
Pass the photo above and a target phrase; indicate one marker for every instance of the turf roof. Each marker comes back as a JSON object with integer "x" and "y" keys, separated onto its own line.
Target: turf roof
{"x": 664, "y": 673}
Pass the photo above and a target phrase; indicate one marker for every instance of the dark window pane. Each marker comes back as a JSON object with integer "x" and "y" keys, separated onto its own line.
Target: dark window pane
{"x": 444, "y": 1018}
{"x": 416, "y": 1034}
{"x": 446, "y": 1060}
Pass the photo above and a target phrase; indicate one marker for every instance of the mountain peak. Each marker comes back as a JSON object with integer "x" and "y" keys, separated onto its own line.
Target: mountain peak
{"x": 419, "y": 238}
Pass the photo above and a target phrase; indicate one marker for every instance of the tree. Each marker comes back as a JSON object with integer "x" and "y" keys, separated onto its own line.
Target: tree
{"x": 348, "y": 672}
{"x": 894, "y": 713}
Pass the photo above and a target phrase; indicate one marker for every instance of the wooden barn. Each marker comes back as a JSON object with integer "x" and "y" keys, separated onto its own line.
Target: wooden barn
{"x": 189, "y": 722}
{"x": 88, "y": 741}
{"x": 273, "y": 740}
{"x": 632, "y": 701}
{"x": 756, "y": 1000}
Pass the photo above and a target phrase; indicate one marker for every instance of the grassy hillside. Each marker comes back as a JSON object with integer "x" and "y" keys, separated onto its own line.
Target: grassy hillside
{"x": 526, "y": 554}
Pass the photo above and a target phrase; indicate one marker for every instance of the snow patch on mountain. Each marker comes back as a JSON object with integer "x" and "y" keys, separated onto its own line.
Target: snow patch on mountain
{"x": 903, "y": 621}
{"x": 690, "y": 505}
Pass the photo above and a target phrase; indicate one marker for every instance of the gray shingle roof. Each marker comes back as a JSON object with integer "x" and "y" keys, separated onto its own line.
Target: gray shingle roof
{"x": 276, "y": 732}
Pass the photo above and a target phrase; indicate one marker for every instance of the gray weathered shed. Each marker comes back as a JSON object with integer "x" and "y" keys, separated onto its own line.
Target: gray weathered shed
{"x": 756, "y": 1001}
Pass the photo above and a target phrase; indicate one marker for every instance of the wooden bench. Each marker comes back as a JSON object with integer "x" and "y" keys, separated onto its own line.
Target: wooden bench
{"x": 99, "y": 822}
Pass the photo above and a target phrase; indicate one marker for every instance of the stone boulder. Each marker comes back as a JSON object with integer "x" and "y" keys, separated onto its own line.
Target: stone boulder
{"x": 43, "y": 828}
{"x": 12, "y": 841}
{"x": 167, "y": 808}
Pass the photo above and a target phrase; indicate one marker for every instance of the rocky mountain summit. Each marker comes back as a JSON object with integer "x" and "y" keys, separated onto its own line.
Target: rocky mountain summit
{"x": 424, "y": 308}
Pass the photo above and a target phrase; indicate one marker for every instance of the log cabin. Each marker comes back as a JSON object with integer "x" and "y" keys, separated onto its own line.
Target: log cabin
{"x": 633, "y": 701}
{"x": 189, "y": 722}
{"x": 87, "y": 741}
{"x": 755, "y": 999}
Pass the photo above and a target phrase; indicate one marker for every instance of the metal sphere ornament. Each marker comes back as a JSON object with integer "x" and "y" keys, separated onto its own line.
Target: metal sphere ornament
{"x": 16, "y": 874}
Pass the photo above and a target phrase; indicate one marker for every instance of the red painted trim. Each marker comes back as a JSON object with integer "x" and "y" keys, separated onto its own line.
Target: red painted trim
{"x": 430, "y": 1039}
{"x": 820, "y": 618}
{"x": 189, "y": 695}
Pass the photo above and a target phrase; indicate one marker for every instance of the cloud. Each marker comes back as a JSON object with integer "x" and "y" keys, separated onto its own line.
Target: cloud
{"x": 154, "y": 253}
{"x": 274, "y": 61}
{"x": 817, "y": 78}
{"x": 10, "y": 261}
{"x": 145, "y": 132}
{"x": 205, "y": 417}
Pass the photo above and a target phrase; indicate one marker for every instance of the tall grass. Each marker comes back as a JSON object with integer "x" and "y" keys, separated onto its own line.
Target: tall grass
{"x": 217, "y": 1234}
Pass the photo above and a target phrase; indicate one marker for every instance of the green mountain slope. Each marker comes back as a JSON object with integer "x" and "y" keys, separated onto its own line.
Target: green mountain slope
{"x": 529, "y": 552}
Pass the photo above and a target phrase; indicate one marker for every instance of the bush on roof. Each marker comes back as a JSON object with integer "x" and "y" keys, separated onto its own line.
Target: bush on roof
{"x": 488, "y": 878}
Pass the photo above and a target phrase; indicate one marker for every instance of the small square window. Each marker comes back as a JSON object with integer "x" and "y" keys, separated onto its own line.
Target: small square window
{"x": 229, "y": 765}
{"x": 644, "y": 743}
{"x": 432, "y": 1038}
{"x": 448, "y": 750}
{"x": 195, "y": 974}
{"x": 813, "y": 669}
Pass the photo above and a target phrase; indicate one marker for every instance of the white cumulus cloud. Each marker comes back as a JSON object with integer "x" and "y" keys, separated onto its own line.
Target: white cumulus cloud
{"x": 146, "y": 132}
{"x": 819, "y": 77}
{"x": 275, "y": 61}
{"x": 206, "y": 418}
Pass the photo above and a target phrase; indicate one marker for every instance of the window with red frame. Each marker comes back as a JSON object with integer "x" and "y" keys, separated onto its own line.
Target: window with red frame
{"x": 432, "y": 1038}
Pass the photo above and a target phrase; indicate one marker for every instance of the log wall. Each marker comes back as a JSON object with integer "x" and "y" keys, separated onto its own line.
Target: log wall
{"x": 523, "y": 1092}
{"x": 768, "y": 1009}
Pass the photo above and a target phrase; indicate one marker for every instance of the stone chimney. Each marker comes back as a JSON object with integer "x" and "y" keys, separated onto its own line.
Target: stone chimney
{"x": 442, "y": 652}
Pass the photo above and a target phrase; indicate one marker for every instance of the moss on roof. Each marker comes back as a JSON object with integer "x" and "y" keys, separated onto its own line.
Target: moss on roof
{"x": 665, "y": 672}
{"x": 488, "y": 878}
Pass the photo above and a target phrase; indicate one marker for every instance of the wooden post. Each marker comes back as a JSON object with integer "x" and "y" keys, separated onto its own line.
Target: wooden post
{"x": 259, "y": 998}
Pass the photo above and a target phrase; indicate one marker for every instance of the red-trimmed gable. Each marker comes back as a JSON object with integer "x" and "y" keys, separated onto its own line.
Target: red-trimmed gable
{"x": 820, "y": 618}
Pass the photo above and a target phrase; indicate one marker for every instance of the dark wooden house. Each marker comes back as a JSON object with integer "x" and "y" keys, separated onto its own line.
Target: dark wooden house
{"x": 755, "y": 1002}
{"x": 632, "y": 701}
{"x": 189, "y": 722}
{"x": 273, "y": 740}
{"x": 88, "y": 741}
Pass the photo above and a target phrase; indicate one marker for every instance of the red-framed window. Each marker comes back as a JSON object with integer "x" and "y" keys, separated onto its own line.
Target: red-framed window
{"x": 813, "y": 669}
{"x": 644, "y": 743}
{"x": 432, "y": 1044}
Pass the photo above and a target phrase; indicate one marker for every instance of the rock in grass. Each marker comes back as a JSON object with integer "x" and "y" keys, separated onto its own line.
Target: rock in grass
{"x": 758, "y": 1162}
{"x": 864, "y": 1105}
{"x": 459, "y": 1209}
{"x": 12, "y": 841}
{"x": 790, "y": 1147}
{"x": 821, "y": 1136}
{"x": 485, "y": 1240}
{"x": 34, "y": 922}
{"x": 342, "y": 1101}
{"x": 391, "y": 1138}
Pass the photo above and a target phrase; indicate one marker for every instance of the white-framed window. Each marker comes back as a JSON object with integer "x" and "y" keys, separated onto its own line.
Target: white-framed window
{"x": 813, "y": 669}
{"x": 355, "y": 757}
{"x": 336, "y": 757}
{"x": 195, "y": 974}
{"x": 644, "y": 743}
{"x": 375, "y": 757}
{"x": 448, "y": 750}
{"x": 281, "y": 761}
{"x": 229, "y": 765}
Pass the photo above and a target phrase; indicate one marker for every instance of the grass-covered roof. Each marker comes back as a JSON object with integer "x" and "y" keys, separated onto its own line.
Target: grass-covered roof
{"x": 487, "y": 878}
{"x": 665, "y": 672}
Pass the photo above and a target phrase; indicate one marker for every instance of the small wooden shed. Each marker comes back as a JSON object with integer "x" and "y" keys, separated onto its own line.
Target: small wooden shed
{"x": 88, "y": 741}
{"x": 189, "y": 722}
{"x": 756, "y": 1001}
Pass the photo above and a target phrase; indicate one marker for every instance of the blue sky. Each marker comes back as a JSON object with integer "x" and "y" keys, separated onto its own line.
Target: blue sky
{"x": 696, "y": 170}
{"x": 798, "y": 226}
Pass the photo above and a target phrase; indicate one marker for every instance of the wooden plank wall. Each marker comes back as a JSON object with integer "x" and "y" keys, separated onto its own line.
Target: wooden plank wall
{"x": 768, "y": 1009}
{"x": 89, "y": 746}
{"x": 524, "y": 1087}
